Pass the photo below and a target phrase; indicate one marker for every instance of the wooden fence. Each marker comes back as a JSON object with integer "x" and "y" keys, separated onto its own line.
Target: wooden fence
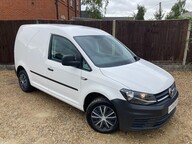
{"x": 154, "y": 40}
{"x": 162, "y": 41}
{"x": 189, "y": 54}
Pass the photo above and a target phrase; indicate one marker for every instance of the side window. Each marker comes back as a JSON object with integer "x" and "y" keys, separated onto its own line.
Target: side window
{"x": 85, "y": 66}
{"x": 61, "y": 46}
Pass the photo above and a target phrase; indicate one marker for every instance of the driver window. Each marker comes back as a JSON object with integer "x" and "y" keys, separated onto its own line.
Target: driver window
{"x": 61, "y": 46}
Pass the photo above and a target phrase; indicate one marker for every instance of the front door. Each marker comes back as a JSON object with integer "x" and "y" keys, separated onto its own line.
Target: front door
{"x": 64, "y": 81}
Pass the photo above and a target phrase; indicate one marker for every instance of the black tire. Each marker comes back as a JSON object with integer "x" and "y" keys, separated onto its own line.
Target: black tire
{"x": 24, "y": 81}
{"x": 101, "y": 116}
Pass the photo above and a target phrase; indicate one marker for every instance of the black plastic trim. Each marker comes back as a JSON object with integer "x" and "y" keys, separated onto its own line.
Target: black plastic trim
{"x": 53, "y": 80}
{"x": 142, "y": 117}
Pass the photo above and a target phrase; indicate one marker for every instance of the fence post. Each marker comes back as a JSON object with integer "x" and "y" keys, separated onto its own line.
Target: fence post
{"x": 187, "y": 43}
{"x": 114, "y": 28}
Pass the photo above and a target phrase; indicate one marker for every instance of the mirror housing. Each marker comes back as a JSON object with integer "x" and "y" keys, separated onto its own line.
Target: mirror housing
{"x": 69, "y": 60}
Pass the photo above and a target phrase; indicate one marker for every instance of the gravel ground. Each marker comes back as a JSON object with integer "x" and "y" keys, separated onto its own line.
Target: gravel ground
{"x": 41, "y": 119}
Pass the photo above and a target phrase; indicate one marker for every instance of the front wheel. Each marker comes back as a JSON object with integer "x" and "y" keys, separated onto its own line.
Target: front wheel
{"x": 102, "y": 116}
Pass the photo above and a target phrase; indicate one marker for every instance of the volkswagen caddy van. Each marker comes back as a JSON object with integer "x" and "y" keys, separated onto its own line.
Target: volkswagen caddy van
{"x": 95, "y": 73}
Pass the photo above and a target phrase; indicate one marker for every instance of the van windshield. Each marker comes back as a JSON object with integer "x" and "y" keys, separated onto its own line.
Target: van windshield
{"x": 105, "y": 51}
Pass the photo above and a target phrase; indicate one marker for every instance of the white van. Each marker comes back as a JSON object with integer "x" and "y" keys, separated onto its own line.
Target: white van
{"x": 94, "y": 72}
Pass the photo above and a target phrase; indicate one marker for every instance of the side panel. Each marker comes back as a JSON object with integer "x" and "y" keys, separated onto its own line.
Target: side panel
{"x": 37, "y": 55}
{"x": 96, "y": 82}
{"x": 24, "y": 36}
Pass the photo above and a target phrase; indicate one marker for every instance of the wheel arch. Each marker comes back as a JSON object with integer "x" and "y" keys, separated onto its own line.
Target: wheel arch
{"x": 92, "y": 96}
{"x": 19, "y": 68}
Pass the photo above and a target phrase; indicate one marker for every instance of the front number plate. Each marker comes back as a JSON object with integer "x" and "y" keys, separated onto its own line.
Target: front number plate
{"x": 172, "y": 106}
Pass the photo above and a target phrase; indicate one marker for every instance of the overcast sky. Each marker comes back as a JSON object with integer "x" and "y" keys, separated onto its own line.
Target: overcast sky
{"x": 126, "y": 8}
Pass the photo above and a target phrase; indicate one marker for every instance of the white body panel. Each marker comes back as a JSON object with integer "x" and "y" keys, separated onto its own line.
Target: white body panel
{"x": 140, "y": 76}
{"x": 31, "y": 52}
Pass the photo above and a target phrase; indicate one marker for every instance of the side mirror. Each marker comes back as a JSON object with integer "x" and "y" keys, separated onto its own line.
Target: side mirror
{"x": 69, "y": 60}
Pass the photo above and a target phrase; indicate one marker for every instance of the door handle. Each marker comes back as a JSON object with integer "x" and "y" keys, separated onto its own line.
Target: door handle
{"x": 50, "y": 69}
{"x": 83, "y": 78}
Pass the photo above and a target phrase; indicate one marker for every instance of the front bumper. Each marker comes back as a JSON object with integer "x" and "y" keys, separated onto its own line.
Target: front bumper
{"x": 139, "y": 117}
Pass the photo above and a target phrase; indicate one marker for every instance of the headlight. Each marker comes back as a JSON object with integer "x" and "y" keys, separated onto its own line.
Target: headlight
{"x": 138, "y": 97}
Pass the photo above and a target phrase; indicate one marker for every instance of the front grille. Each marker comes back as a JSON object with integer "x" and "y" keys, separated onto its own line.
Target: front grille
{"x": 165, "y": 94}
{"x": 150, "y": 122}
{"x": 162, "y": 96}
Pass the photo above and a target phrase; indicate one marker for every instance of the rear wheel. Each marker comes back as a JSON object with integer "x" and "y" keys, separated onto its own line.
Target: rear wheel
{"x": 24, "y": 81}
{"x": 102, "y": 116}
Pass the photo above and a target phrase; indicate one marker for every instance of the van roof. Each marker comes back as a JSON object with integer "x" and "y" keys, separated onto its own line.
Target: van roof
{"x": 72, "y": 30}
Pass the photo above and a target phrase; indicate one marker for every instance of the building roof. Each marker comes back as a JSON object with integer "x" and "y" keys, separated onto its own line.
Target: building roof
{"x": 117, "y": 18}
{"x": 85, "y": 16}
{"x": 188, "y": 14}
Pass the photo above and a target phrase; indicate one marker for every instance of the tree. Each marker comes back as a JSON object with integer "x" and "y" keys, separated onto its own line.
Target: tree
{"x": 95, "y": 8}
{"x": 159, "y": 14}
{"x": 177, "y": 10}
{"x": 140, "y": 13}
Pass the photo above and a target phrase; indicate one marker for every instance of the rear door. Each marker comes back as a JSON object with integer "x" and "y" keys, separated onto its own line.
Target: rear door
{"x": 63, "y": 81}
